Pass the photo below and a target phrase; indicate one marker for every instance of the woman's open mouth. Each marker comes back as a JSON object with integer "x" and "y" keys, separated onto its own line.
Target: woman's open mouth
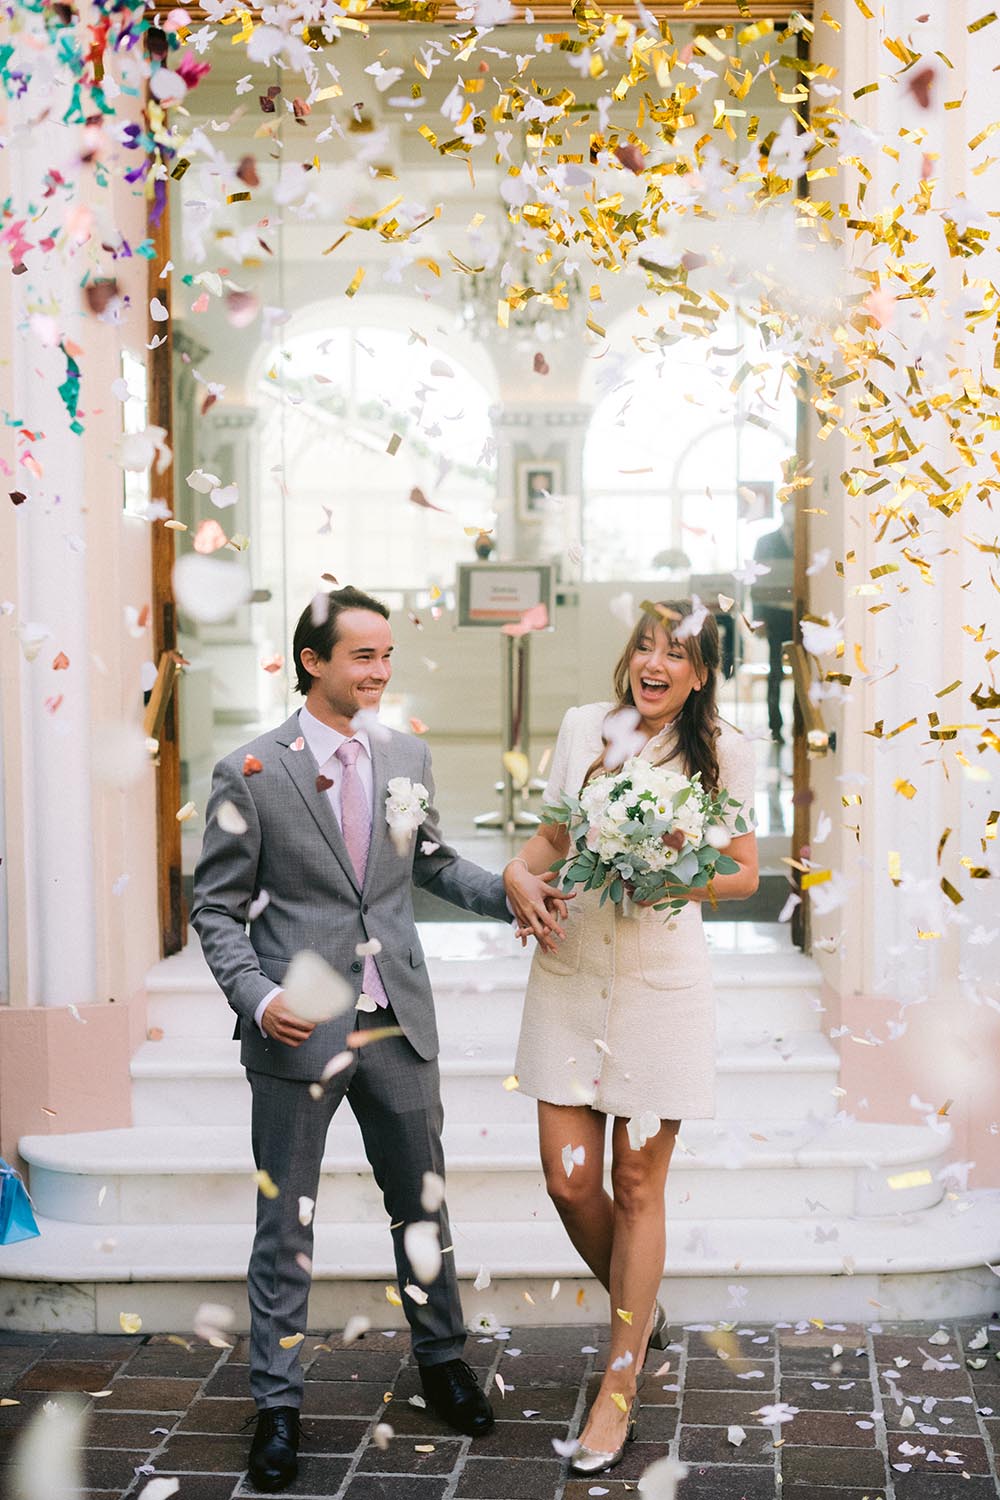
{"x": 652, "y": 688}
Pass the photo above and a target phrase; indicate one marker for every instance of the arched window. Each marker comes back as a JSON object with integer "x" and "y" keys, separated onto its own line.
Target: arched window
{"x": 679, "y": 468}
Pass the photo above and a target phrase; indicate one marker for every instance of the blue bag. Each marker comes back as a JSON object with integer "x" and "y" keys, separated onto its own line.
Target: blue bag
{"x": 17, "y": 1222}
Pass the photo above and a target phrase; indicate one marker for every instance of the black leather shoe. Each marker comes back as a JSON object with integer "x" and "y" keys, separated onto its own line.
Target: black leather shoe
{"x": 455, "y": 1395}
{"x": 274, "y": 1452}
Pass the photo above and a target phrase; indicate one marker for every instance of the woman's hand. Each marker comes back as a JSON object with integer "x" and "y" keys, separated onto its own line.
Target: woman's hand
{"x": 538, "y": 907}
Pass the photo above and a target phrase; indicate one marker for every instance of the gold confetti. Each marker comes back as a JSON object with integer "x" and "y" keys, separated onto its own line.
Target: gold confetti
{"x": 291, "y": 1340}
{"x": 265, "y": 1184}
{"x": 393, "y": 1297}
{"x": 129, "y": 1322}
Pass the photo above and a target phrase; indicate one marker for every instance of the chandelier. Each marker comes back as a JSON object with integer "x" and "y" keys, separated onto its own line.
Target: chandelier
{"x": 533, "y": 298}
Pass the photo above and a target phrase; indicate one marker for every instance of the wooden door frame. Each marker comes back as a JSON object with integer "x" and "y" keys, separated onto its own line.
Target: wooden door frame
{"x": 169, "y": 880}
{"x": 169, "y": 884}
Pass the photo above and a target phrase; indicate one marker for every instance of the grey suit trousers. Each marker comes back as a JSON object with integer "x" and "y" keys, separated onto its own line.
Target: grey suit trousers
{"x": 395, "y": 1096}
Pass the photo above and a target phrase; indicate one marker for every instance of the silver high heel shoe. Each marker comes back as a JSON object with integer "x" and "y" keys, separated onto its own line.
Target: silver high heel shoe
{"x": 593, "y": 1461}
{"x": 658, "y": 1338}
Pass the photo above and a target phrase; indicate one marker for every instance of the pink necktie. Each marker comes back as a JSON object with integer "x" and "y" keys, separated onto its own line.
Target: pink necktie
{"x": 356, "y": 826}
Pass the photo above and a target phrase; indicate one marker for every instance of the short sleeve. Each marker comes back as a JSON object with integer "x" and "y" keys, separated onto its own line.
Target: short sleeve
{"x": 737, "y": 768}
{"x": 559, "y": 769}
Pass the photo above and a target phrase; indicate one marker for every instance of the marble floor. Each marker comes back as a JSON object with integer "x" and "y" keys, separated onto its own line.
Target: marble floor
{"x": 870, "y": 1412}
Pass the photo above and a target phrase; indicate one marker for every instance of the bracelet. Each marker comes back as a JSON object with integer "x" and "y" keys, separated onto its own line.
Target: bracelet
{"x": 518, "y": 860}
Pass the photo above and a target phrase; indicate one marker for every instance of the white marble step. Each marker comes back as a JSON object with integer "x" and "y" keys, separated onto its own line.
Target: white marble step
{"x": 479, "y": 992}
{"x": 929, "y": 1264}
{"x": 199, "y": 1080}
{"x": 720, "y": 1170}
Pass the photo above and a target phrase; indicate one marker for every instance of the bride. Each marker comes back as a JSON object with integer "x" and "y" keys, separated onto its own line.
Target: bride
{"x": 619, "y": 1018}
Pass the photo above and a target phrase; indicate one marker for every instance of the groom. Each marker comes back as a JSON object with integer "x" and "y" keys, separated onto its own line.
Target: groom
{"x": 315, "y": 867}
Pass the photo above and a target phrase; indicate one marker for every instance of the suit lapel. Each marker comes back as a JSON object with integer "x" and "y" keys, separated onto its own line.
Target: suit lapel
{"x": 303, "y": 770}
{"x": 380, "y": 777}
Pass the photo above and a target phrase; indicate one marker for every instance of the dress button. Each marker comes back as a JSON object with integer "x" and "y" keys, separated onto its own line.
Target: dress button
{"x": 607, "y": 937}
{"x": 357, "y": 966}
{"x": 604, "y": 994}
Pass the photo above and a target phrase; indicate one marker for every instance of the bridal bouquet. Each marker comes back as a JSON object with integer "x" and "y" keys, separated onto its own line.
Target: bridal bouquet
{"x": 645, "y": 833}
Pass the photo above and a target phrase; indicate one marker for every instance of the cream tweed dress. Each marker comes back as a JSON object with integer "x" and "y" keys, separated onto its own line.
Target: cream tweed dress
{"x": 622, "y": 1015}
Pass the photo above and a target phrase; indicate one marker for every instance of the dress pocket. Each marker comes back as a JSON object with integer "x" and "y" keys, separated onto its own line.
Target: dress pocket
{"x": 671, "y": 960}
{"x": 566, "y": 959}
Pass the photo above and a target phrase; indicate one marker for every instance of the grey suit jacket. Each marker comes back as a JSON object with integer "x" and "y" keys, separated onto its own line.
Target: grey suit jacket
{"x": 294, "y": 850}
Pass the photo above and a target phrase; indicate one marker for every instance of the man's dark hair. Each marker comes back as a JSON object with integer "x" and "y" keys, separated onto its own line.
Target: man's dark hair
{"x": 321, "y": 634}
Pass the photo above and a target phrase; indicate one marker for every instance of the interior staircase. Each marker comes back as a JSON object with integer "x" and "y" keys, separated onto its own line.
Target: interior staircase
{"x": 780, "y": 1208}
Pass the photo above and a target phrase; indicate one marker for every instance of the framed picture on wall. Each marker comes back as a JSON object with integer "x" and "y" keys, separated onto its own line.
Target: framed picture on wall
{"x": 537, "y": 480}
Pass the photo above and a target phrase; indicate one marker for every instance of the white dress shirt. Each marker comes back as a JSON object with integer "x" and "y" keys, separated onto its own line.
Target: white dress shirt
{"x": 324, "y": 742}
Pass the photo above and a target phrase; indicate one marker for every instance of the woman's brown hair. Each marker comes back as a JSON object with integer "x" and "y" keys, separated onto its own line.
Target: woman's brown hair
{"x": 697, "y": 727}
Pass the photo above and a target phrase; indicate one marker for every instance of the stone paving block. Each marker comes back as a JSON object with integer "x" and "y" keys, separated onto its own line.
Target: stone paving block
{"x": 552, "y": 1342}
{"x": 916, "y": 1384}
{"x": 331, "y": 1435}
{"x": 727, "y": 1482}
{"x": 402, "y": 1456}
{"x": 543, "y": 1369}
{"x": 656, "y": 1424}
{"x": 551, "y": 1404}
{"x": 317, "y": 1476}
{"x": 111, "y": 1468}
{"x": 344, "y": 1398}
{"x": 122, "y": 1429}
{"x": 579, "y": 1489}
{"x": 171, "y": 1359}
{"x": 101, "y": 1346}
{"x": 719, "y": 1408}
{"x": 351, "y": 1364}
{"x": 835, "y": 1429}
{"x": 520, "y": 1440}
{"x": 507, "y": 1479}
{"x": 158, "y": 1395}
{"x": 971, "y": 1449}
{"x": 414, "y": 1421}
{"x": 204, "y": 1487}
{"x": 822, "y": 1363}
{"x": 711, "y": 1445}
{"x": 956, "y": 1418}
{"x": 637, "y": 1459}
{"x": 393, "y": 1487}
{"x": 833, "y": 1466}
{"x": 724, "y": 1375}
{"x": 943, "y": 1487}
{"x": 231, "y": 1380}
{"x": 812, "y": 1393}
{"x": 217, "y": 1414}
{"x": 67, "y": 1375}
{"x": 836, "y": 1492}
{"x": 204, "y": 1453}
{"x": 746, "y": 1345}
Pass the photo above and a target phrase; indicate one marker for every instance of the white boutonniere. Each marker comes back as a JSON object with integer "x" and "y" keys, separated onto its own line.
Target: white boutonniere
{"x": 405, "y": 807}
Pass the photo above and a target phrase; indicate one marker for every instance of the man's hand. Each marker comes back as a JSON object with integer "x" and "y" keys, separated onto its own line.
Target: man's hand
{"x": 538, "y": 906}
{"x": 284, "y": 1025}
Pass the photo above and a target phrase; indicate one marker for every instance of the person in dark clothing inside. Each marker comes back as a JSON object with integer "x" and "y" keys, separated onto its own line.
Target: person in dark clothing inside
{"x": 772, "y": 605}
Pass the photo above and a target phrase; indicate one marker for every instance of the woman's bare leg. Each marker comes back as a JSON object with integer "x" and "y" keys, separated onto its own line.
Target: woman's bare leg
{"x": 637, "y": 1256}
{"x": 580, "y": 1199}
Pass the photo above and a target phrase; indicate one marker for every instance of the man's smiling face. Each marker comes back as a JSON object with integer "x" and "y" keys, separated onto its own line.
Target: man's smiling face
{"x": 357, "y": 672}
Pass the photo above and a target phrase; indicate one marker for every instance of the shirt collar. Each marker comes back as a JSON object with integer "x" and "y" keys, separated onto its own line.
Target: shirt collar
{"x": 324, "y": 741}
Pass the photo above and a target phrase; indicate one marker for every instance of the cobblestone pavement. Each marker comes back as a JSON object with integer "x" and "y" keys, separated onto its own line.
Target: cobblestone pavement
{"x": 887, "y": 1412}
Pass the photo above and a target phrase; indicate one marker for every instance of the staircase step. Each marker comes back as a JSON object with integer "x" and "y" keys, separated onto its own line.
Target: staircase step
{"x": 479, "y": 975}
{"x": 76, "y": 1278}
{"x": 199, "y": 1080}
{"x": 720, "y": 1170}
